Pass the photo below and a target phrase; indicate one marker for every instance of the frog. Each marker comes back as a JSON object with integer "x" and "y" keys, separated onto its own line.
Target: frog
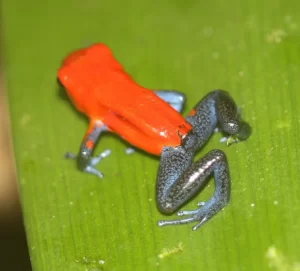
{"x": 151, "y": 120}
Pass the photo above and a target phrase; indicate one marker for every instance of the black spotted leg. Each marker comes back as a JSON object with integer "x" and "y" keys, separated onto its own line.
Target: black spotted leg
{"x": 84, "y": 159}
{"x": 179, "y": 179}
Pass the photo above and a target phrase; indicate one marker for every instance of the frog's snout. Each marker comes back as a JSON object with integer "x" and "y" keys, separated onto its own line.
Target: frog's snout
{"x": 245, "y": 131}
{"x": 166, "y": 208}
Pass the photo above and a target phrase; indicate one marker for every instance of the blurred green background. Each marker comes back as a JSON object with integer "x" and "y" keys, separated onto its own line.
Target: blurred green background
{"x": 76, "y": 222}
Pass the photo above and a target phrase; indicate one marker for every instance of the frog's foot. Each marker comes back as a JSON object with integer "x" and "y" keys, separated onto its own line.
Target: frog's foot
{"x": 70, "y": 155}
{"x": 129, "y": 150}
{"x": 203, "y": 214}
{"x": 92, "y": 162}
{"x": 217, "y": 130}
{"x": 243, "y": 133}
{"x": 191, "y": 212}
{"x": 229, "y": 140}
{"x": 95, "y": 160}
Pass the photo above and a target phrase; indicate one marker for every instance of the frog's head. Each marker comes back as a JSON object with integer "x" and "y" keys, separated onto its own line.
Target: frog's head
{"x": 244, "y": 131}
{"x": 166, "y": 207}
{"x": 241, "y": 131}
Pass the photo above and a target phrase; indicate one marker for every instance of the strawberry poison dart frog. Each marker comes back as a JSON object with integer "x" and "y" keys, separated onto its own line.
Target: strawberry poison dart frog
{"x": 150, "y": 120}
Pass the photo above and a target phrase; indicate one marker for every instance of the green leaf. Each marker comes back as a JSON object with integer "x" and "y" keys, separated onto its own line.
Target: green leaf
{"x": 77, "y": 222}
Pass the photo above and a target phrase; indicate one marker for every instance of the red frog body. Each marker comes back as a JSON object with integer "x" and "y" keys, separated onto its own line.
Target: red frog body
{"x": 101, "y": 89}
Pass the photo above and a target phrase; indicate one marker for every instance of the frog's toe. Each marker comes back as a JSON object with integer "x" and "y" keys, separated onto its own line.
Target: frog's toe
{"x": 203, "y": 214}
{"x": 193, "y": 218}
{"x": 162, "y": 223}
{"x": 187, "y": 212}
{"x": 129, "y": 150}
{"x": 207, "y": 211}
{"x": 217, "y": 130}
{"x": 202, "y": 221}
{"x": 95, "y": 160}
{"x": 223, "y": 139}
{"x": 191, "y": 212}
{"x": 229, "y": 140}
{"x": 70, "y": 155}
{"x": 92, "y": 170}
{"x": 88, "y": 165}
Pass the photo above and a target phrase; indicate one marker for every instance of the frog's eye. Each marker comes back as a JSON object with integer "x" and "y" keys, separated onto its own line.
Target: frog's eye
{"x": 231, "y": 127}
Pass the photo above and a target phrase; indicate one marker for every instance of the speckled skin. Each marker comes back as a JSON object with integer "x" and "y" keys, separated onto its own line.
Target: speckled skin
{"x": 86, "y": 162}
{"x": 100, "y": 88}
{"x": 179, "y": 179}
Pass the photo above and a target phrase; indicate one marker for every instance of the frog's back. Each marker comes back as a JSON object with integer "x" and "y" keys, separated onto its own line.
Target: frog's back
{"x": 99, "y": 87}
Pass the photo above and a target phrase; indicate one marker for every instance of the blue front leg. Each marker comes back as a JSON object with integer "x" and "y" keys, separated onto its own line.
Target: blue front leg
{"x": 179, "y": 179}
{"x": 85, "y": 161}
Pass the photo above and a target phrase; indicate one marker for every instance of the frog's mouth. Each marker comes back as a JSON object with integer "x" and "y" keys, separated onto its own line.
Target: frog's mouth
{"x": 245, "y": 131}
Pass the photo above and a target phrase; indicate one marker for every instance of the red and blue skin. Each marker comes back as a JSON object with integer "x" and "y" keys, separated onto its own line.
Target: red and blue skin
{"x": 101, "y": 89}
